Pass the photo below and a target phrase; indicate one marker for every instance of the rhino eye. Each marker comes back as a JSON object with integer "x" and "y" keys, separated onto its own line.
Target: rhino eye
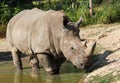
{"x": 72, "y": 48}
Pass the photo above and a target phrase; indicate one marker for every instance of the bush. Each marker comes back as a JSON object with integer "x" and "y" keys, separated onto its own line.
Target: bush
{"x": 8, "y": 10}
{"x": 106, "y": 13}
{"x": 103, "y": 12}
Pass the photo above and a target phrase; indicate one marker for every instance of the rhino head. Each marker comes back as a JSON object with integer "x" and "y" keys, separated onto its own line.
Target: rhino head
{"x": 73, "y": 48}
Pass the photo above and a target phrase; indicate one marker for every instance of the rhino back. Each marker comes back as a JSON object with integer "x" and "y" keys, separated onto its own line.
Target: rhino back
{"x": 19, "y": 29}
{"x": 49, "y": 27}
{"x": 37, "y": 30}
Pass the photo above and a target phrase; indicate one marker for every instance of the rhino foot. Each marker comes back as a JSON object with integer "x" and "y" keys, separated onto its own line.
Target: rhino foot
{"x": 54, "y": 72}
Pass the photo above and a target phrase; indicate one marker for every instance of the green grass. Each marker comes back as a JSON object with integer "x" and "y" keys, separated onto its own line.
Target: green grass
{"x": 109, "y": 78}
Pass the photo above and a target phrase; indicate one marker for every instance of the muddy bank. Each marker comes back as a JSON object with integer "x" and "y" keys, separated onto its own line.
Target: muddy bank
{"x": 108, "y": 49}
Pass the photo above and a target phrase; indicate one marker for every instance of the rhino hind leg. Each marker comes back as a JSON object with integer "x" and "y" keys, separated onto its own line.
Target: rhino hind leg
{"x": 34, "y": 63}
{"x": 16, "y": 58}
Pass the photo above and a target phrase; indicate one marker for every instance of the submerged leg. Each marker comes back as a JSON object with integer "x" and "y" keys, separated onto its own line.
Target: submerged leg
{"x": 58, "y": 63}
{"x": 34, "y": 62}
{"x": 48, "y": 63}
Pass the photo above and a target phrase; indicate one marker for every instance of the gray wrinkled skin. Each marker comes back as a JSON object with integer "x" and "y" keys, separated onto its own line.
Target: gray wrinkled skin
{"x": 47, "y": 37}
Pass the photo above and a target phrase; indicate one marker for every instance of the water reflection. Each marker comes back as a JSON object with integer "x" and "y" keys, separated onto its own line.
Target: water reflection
{"x": 26, "y": 76}
{"x": 34, "y": 77}
{"x": 49, "y": 78}
{"x": 18, "y": 77}
{"x": 21, "y": 77}
{"x": 53, "y": 79}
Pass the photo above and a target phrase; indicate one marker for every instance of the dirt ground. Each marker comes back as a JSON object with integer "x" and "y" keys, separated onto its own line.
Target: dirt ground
{"x": 108, "y": 48}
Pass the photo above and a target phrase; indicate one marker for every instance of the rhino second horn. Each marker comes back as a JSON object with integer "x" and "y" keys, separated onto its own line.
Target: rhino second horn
{"x": 89, "y": 50}
{"x": 84, "y": 43}
{"x": 79, "y": 21}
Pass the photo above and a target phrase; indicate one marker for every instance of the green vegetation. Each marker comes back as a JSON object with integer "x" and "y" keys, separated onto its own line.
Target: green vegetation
{"x": 109, "y": 78}
{"x": 103, "y": 12}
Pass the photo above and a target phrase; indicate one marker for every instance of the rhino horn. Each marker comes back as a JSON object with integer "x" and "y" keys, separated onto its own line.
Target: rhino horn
{"x": 90, "y": 49}
{"x": 84, "y": 43}
{"x": 79, "y": 21}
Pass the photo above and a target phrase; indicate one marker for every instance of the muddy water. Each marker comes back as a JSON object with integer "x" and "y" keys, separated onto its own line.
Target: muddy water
{"x": 68, "y": 74}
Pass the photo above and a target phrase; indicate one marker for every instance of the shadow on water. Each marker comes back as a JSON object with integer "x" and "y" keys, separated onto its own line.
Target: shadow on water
{"x": 68, "y": 67}
{"x": 6, "y": 56}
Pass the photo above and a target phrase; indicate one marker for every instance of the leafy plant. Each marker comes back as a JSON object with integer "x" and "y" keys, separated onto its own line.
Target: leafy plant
{"x": 103, "y": 12}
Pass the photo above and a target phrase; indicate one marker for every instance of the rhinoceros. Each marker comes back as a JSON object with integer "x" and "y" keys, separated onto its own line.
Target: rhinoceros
{"x": 49, "y": 38}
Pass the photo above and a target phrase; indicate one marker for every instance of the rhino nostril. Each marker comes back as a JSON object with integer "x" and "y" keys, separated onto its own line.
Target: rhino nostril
{"x": 82, "y": 65}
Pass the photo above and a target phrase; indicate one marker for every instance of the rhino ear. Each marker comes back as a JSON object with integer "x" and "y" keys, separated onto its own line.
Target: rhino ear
{"x": 65, "y": 20}
{"x": 79, "y": 21}
{"x": 90, "y": 49}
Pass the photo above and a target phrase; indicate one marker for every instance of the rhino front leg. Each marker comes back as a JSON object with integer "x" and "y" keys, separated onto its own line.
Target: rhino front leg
{"x": 58, "y": 62}
{"x": 48, "y": 63}
{"x": 16, "y": 58}
{"x": 34, "y": 62}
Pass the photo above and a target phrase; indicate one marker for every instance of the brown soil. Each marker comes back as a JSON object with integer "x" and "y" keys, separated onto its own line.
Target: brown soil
{"x": 108, "y": 48}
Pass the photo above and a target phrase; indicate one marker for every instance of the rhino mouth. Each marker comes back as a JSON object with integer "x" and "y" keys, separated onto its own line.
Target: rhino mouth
{"x": 79, "y": 66}
{"x": 53, "y": 72}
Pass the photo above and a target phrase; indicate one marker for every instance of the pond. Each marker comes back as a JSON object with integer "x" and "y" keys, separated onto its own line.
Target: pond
{"x": 68, "y": 74}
